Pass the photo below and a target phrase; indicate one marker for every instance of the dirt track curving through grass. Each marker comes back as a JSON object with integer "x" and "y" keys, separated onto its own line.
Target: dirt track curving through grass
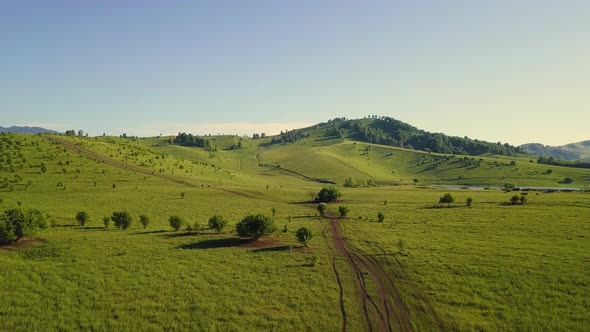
{"x": 118, "y": 164}
{"x": 338, "y": 280}
{"x": 387, "y": 312}
{"x": 137, "y": 169}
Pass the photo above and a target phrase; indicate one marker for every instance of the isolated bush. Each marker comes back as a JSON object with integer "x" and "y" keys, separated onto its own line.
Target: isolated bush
{"x": 446, "y": 199}
{"x": 217, "y": 223}
{"x": 514, "y": 200}
{"x": 322, "y": 207}
{"x": 468, "y": 202}
{"x": 343, "y": 210}
{"x": 312, "y": 259}
{"x": 82, "y": 217}
{"x": 122, "y": 220}
{"x": 274, "y": 211}
{"x": 255, "y": 226}
{"x": 106, "y": 221}
{"x": 16, "y": 224}
{"x": 303, "y": 235}
{"x": 380, "y": 216}
{"x": 509, "y": 186}
{"x": 567, "y": 180}
{"x": 330, "y": 194}
{"x": 175, "y": 222}
{"x": 182, "y": 194}
{"x": 350, "y": 182}
{"x": 144, "y": 221}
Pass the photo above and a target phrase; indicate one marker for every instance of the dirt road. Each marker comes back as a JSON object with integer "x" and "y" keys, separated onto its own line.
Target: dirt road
{"x": 385, "y": 313}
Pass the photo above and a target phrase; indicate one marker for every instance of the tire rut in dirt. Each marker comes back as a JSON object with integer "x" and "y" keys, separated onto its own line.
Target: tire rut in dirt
{"x": 338, "y": 280}
{"x": 393, "y": 308}
{"x": 390, "y": 312}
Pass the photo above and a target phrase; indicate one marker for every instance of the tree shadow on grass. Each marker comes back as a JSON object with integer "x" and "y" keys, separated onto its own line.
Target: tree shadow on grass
{"x": 149, "y": 232}
{"x": 436, "y": 207}
{"x": 179, "y": 234}
{"x": 216, "y": 243}
{"x": 272, "y": 249}
{"x": 94, "y": 228}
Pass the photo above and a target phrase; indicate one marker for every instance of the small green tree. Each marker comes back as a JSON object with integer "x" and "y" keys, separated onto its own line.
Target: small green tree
{"x": 43, "y": 168}
{"x": 144, "y": 221}
{"x": 468, "y": 202}
{"x": 303, "y": 235}
{"x": 514, "y": 200}
{"x": 327, "y": 195}
{"x": 175, "y": 222}
{"x": 350, "y": 182}
{"x": 567, "y": 180}
{"x": 82, "y": 217}
{"x": 182, "y": 194}
{"x": 217, "y": 223}
{"x": 106, "y": 221}
{"x": 16, "y": 224}
{"x": 343, "y": 210}
{"x": 447, "y": 199}
{"x": 122, "y": 220}
{"x": 322, "y": 207}
{"x": 380, "y": 217}
{"x": 274, "y": 211}
{"x": 522, "y": 199}
{"x": 255, "y": 226}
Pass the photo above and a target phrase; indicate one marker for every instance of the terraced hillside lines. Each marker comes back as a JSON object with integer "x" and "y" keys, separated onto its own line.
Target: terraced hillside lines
{"x": 390, "y": 313}
{"x": 95, "y": 156}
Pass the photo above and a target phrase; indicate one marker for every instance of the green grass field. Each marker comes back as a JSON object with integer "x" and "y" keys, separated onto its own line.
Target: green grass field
{"x": 491, "y": 267}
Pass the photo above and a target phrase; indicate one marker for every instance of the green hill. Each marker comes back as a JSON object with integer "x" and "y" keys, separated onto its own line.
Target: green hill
{"x": 490, "y": 266}
{"x": 581, "y": 148}
{"x": 573, "y": 151}
{"x": 316, "y": 154}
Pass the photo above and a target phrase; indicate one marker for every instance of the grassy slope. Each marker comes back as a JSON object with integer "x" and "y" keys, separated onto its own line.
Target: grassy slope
{"x": 336, "y": 160}
{"x": 473, "y": 268}
{"x": 492, "y": 267}
{"x": 90, "y": 277}
{"x": 583, "y": 148}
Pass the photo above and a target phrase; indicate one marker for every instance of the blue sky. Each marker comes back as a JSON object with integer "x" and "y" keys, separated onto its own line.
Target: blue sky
{"x": 510, "y": 71}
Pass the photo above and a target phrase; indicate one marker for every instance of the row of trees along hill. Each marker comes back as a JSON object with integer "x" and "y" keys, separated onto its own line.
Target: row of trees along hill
{"x": 192, "y": 140}
{"x": 289, "y": 136}
{"x": 389, "y": 131}
{"x": 557, "y": 162}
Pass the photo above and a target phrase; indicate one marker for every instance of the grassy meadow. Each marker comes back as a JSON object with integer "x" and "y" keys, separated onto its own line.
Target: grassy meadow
{"x": 491, "y": 267}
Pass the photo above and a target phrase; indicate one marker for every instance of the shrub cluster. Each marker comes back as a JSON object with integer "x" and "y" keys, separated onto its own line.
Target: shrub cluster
{"x": 16, "y": 224}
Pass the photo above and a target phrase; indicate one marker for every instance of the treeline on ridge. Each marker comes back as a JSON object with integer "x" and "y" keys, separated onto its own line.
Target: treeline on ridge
{"x": 192, "y": 140}
{"x": 567, "y": 163}
{"x": 389, "y": 131}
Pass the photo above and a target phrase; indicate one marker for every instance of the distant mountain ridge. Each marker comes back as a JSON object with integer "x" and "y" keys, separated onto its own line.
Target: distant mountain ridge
{"x": 27, "y": 130}
{"x": 572, "y": 151}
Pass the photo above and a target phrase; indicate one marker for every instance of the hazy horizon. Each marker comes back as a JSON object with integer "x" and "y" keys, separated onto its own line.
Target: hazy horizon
{"x": 502, "y": 71}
